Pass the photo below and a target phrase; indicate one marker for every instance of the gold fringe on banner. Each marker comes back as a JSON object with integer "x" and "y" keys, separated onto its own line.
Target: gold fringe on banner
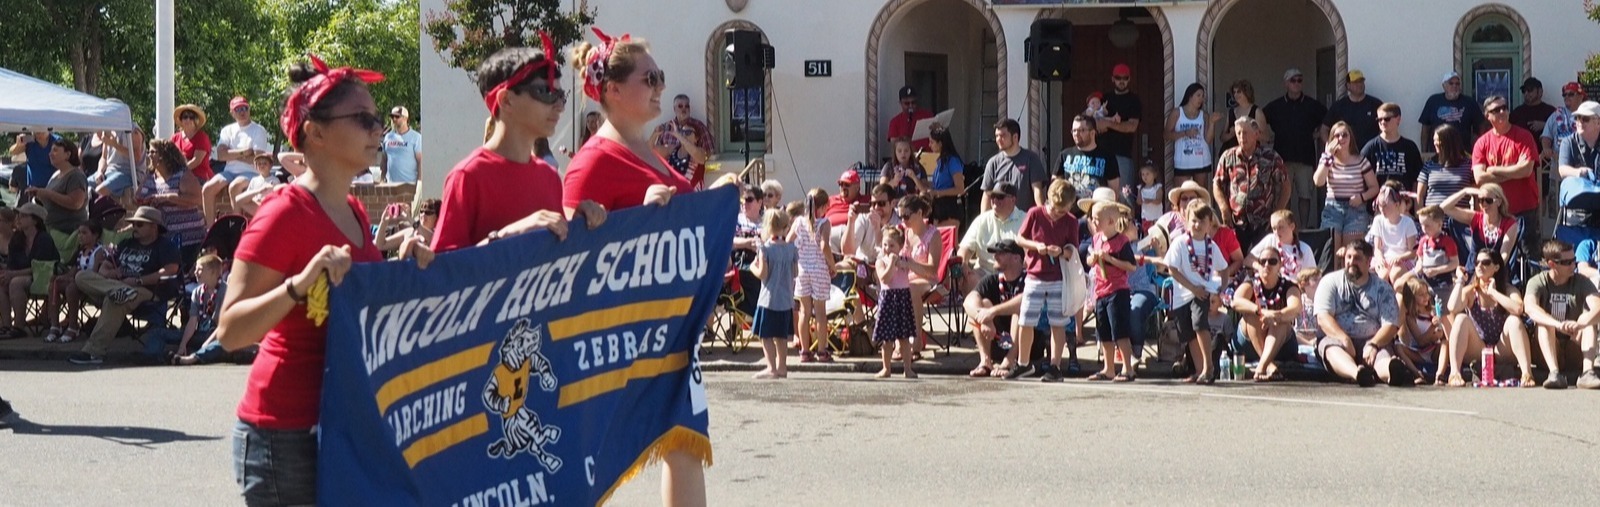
{"x": 676, "y": 439}
{"x": 317, "y": 301}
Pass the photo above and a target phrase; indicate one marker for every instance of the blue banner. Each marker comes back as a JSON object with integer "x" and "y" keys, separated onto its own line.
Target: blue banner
{"x": 530, "y": 371}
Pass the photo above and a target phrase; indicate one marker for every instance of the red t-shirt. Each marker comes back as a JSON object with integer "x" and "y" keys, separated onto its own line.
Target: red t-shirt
{"x": 284, "y": 389}
{"x": 485, "y": 192}
{"x": 1516, "y": 144}
{"x": 902, "y": 126}
{"x": 1110, "y": 279}
{"x": 201, "y": 143}
{"x": 1037, "y": 226}
{"x": 605, "y": 172}
{"x": 1227, "y": 241}
{"x": 839, "y": 208}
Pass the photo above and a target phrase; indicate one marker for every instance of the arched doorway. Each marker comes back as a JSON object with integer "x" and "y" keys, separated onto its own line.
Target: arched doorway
{"x": 1306, "y": 35}
{"x": 1094, "y": 53}
{"x": 729, "y": 111}
{"x": 953, "y": 53}
{"x": 1493, "y": 51}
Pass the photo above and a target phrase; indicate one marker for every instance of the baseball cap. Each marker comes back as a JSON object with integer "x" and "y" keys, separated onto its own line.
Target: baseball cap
{"x": 1587, "y": 108}
{"x": 400, "y": 111}
{"x": 1532, "y": 83}
{"x": 907, "y": 92}
{"x": 1005, "y": 246}
{"x": 1448, "y": 76}
{"x": 850, "y": 176}
{"x": 1355, "y": 75}
{"x": 1121, "y": 69}
{"x": 238, "y": 102}
{"x": 1292, "y": 72}
{"x": 1573, "y": 86}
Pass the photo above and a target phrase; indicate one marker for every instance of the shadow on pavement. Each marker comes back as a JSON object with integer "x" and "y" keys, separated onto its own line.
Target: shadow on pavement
{"x": 125, "y": 435}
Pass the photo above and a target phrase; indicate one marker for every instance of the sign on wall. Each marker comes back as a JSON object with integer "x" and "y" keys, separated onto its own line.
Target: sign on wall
{"x": 819, "y": 68}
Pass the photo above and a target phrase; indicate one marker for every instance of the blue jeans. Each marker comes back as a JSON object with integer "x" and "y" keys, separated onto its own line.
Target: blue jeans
{"x": 275, "y": 467}
{"x": 157, "y": 340}
{"x": 1144, "y": 306}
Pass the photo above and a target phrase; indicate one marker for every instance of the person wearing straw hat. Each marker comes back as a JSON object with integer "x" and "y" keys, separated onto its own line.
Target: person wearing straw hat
{"x": 192, "y": 140}
{"x": 31, "y": 243}
{"x": 119, "y": 285}
{"x": 1174, "y": 222}
{"x": 1110, "y": 260}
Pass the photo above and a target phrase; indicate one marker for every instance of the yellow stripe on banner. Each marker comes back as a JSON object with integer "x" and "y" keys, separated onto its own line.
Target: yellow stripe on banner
{"x": 589, "y": 322}
{"x": 582, "y": 390}
{"x": 408, "y": 383}
{"x": 445, "y": 438}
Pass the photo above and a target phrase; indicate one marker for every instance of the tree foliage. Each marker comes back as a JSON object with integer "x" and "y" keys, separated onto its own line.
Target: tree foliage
{"x": 468, "y": 31}
{"x": 1591, "y": 67}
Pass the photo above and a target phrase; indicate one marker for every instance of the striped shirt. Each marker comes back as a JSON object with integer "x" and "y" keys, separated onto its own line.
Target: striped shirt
{"x": 1346, "y": 180}
{"x": 1444, "y": 182}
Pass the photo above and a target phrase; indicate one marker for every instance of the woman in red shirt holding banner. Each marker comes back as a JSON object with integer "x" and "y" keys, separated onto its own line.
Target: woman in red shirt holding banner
{"x": 303, "y": 232}
{"x": 618, "y": 169}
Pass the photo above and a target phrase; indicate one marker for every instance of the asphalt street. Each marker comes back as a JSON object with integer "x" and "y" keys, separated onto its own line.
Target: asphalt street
{"x": 160, "y": 436}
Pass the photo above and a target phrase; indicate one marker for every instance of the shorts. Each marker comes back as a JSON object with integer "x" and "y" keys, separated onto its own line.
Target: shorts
{"x": 275, "y": 467}
{"x": 227, "y": 176}
{"x": 117, "y": 181}
{"x": 1343, "y": 218}
{"x": 1044, "y": 303}
{"x": 1328, "y": 342}
{"x": 772, "y": 324}
{"x": 946, "y": 208}
{"x": 1193, "y": 318}
{"x": 1114, "y": 316}
{"x": 1198, "y": 171}
{"x": 812, "y": 284}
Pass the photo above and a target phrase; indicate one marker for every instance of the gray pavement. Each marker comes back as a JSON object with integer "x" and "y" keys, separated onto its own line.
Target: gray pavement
{"x": 160, "y": 436}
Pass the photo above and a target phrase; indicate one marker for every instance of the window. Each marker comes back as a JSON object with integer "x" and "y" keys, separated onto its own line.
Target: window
{"x": 1491, "y": 57}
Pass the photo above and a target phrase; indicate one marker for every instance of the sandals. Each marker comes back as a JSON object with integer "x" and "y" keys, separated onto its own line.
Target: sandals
{"x": 1125, "y": 377}
{"x": 68, "y": 336}
{"x": 1099, "y": 377}
{"x": 982, "y": 371}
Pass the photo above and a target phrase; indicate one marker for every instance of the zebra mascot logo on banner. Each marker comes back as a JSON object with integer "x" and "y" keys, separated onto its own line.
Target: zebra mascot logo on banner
{"x": 506, "y": 393}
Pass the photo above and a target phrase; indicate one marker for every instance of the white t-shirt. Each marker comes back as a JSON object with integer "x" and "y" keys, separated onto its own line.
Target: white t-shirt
{"x": 1392, "y": 239}
{"x": 1150, "y": 212}
{"x": 234, "y": 137}
{"x": 1294, "y": 259}
{"x": 257, "y": 183}
{"x": 1178, "y": 258}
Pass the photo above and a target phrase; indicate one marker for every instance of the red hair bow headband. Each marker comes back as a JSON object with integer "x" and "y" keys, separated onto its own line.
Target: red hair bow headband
{"x": 298, "y": 108}
{"x": 492, "y": 99}
{"x": 596, "y": 73}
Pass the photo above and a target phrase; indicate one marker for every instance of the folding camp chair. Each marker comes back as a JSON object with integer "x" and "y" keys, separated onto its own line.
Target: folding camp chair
{"x": 943, "y": 302}
{"x": 731, "y": 318}
{"x": 844, "y": 335}
{"x": 1321, "y": 243}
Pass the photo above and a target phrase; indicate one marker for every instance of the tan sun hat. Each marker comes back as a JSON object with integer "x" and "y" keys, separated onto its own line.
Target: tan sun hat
{"x": 192, "y": 108}
{"x": 1103, "y": 195}
{"x": 34, "y": 209}
{"x": 1187, "y": 186}
{"x": 149, "y": 215}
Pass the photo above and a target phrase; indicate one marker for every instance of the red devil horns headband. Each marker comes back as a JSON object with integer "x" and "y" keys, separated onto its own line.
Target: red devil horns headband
{"x": 310, "y": 93}
{"x": 598, "y": 61}
{"x": 492, "y": 99}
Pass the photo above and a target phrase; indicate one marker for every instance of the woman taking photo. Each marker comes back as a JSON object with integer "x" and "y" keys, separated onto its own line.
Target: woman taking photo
{"x": 949, "y": 180}
{"x": 1351, "y": 185}
{"x": 619, "y": 169}
{"x": 175, "y": 191}
{"x": 1492, "y": 226}
{"x": 303, "y": 232}
{"x": 1190, "y": 129}
{"x": 1487, "y": 312}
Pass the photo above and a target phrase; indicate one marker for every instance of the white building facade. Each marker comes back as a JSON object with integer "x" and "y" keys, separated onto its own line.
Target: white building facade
{"x": 968, "y": 55}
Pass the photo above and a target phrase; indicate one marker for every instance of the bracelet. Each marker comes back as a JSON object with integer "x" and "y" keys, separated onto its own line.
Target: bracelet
{"x": 288, "y": 287}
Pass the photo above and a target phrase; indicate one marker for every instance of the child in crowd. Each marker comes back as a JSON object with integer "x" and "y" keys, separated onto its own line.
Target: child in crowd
{"x": 1197, "y": 263}
{"x": 205, "y": 304}
{"x": 1097, "y": 107}
{"x": 64, "y": 288}
{"x": 247, "y": 200}
{"x": 1049, "y": 234}
{"x": 1149, "y": 194}
{"x": 1422, "y": 334}
{"x": 777, "y": 261}
{"x": 812, "y": 285}
{"x": 1393, "y": 235}
{"x": 1305, "y": 327}
{"x": 1437, "y": 254}
{"x": 894, "y": 327}
{"x": 1285, "y": 239}
{"x": 1111, "y": 259}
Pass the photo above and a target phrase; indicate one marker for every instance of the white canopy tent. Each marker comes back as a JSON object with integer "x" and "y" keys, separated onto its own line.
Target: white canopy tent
{"x": 36, "y": 104}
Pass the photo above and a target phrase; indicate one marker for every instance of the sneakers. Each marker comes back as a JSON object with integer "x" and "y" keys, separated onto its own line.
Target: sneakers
{"x": 1021, "y": 371}
{"x": 1051, "y": 374}
{"x": 1400, "y": 375}
{"x": 7, "y": 415}
{"x": 1554, "y": 381}
{"x": 1589, "y": 380}
{"x": 121, "y": 295}
{"x": 1366, "y": 376}
{"x": 85, "y": 358}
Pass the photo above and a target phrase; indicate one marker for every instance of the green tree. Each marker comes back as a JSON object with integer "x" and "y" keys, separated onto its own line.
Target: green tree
{"x": 471, "y": 30}
{"x": 1591, "y": 68}
{"x": 379, "y": 35}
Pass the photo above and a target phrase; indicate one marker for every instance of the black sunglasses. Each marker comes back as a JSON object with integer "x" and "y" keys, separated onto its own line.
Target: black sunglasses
{"x": 187, "y": 116}
{"x": 363, "y": 119}
{"x": 1271, "y": 261}
{"x": 1386, "y": 118}
{"x": 1121, "y": 78}
{"x": 1497, "y": 110}
{"x": 751, "y": 198}
{"x": 1564, "y": 262}
{"x": 879, "y": 204}
{"x": 906, "y": 215}
{"x": 241, "y": 109}
{"x": 1296, "y": 80}
{"x": 541, "y": 91}
{"x": 1568, "y": 94}
{"x": 655, "y": 78}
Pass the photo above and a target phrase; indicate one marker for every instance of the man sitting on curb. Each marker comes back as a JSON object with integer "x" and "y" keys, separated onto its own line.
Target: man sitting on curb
{"x": 1564, "y": 307}
{"x": 992, "y": 303}
{"x": 1359, "y": 320}
{"x": 122, "y": 284}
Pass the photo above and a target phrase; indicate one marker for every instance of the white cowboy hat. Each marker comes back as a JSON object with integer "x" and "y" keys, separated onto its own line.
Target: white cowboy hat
{"x": 1187, "y": 186}
{"x": 1104, "y": 195}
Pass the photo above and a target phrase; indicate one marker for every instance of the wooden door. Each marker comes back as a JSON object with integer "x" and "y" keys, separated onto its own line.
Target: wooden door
{"x": 1093, "y": 56}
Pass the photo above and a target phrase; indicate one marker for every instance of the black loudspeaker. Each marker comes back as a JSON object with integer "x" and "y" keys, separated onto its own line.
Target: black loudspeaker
{"x": 748, "y": 59}
{"x": 1049, "y": 50}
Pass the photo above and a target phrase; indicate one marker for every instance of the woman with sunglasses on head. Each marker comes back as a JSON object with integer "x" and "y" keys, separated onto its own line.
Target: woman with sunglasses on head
{"x": 618, "y": 169}
{"x": 1492, "y": 226}
{"x": 501, "y": 189}
{"x": 303, "y": 232}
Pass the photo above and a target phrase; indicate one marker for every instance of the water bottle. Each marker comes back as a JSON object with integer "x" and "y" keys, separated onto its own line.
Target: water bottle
{"x": 1226, "y": 365}
{"x": 1488, "y": 366}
